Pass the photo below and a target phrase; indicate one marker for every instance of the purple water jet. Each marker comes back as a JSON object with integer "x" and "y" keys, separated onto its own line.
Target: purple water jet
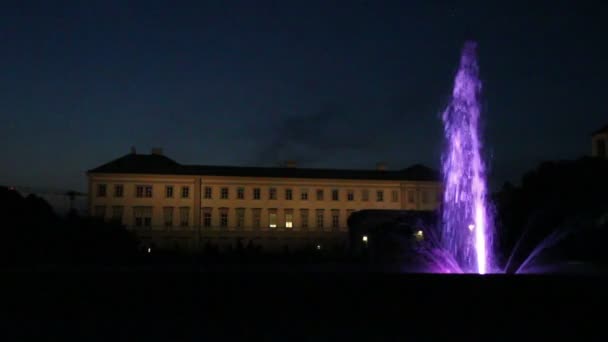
{"x": 467, "y": 223}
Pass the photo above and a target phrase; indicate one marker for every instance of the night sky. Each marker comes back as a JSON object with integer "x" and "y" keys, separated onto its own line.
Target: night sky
{"x": 337, "y": 84}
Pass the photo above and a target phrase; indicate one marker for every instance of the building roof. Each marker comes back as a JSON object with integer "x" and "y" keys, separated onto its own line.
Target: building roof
{"x": 162, "y": 165}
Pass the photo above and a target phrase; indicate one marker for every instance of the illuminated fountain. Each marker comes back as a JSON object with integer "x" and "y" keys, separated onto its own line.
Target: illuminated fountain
{"x": 467, "y": 222}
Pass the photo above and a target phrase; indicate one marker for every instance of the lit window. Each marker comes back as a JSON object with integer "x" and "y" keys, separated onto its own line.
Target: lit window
{"x": 240, "y": 193}
{"x": 380, "y": 196}
{"x": 288, "y": 194}
{"x": 288, "y": 218}
{"x": 169, "y": 191}
{"x": 185, "y": 191}
{"x": 257, "y": 193}
{"x": 224, "y": 193}
{"x": 364, "y": 238}
{"x": 272, "y": 218}
{"x": 101, "y": 190}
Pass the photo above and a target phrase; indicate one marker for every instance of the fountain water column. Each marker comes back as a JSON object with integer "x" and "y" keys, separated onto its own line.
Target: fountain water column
{"x": 467, "y": 224}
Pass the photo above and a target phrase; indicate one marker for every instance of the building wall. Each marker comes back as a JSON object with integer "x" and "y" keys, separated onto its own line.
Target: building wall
{"x": 409, "y": 195}
{"x": 129, "y": 200}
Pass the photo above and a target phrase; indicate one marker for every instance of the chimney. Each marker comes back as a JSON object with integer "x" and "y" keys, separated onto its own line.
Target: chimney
{"x": 381, "y": 166}
{"x": 291, "y": 164}
{"x": 157, "y": 151}
{"x": 133, "y": 151}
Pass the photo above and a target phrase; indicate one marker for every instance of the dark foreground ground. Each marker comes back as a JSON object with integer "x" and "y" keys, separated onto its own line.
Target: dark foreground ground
{"x": 301, "y": 306}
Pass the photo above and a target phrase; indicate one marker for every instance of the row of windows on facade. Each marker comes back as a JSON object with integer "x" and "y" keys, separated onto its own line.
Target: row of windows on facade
{"x": 143, "y": 216}
{"x": 141, "y": 191}
{"x": 146, "y": 191}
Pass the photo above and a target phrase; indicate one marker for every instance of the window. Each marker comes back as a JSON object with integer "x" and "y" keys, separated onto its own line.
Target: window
{"x": 320, "y": 218}
{"x": 224, "y": 217}
{"x": 184, "y": 216}
{"x": 117, "y": 212}
{"x": 304, "y": 194}
{"x": 335, "y": 195}
{"x": 240, "y": 193}
{"x": 168, "y": 216}
{"x": 208, "y": 192}
{"x": 169, "y": 191}
{"x": 101, "y": 190}
{"x": 207, "y": 217}
{"x": 256, "y": 193}
{"x": 411, "y": 196}
{"x": 288, "y": 194}
{"x": 425, "y": 196}
{"x": 272, "y": 194}
{"x": 143, "y": 191}
{"x": 272, "y": 218}
{"x": 257, "y": 217}
{"x": 319, "y": 194}
{"x": 395, "y": 196}
{"x": 350, "y": 195}
{"x": 288, "y": 218}
{"x": 119, "y": 190}
{"x": 365, "y": 195}
{"x": 240, "y": 217}
{"x": 224, "y": 193}
{"x": 380, "y": 196}
{"x": 185, "y": 191}
{"x": 335, "y": 218}
{"x": 100, "y": 211}
{"x": 143, "y": 216}
{"x": 304, "y": 218}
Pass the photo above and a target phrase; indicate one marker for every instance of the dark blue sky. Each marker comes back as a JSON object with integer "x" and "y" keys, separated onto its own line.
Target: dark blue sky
{"x": 328, "y": 83}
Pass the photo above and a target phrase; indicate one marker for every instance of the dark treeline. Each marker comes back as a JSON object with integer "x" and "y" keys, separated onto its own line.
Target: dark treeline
{"x": 32, "y": 234}
{"x": 569, "y": 197}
